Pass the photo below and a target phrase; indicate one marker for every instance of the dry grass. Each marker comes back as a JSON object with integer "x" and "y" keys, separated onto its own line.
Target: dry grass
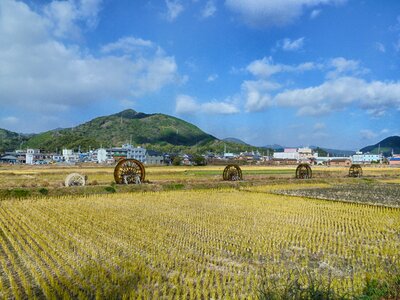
{"x": 53, "y": 176}
{"x": 186, "y": 244}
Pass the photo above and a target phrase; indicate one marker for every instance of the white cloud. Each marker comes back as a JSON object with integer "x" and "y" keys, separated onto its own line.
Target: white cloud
{"x": 125, "y": 103}
{"x": 344, "y": 66}
{"x": 188, "y": 105}
{"x": 384, "y": 131}
{"x": 127, "y": 45}
{"x": 319, "y": 126}
{"x": 289, "y": 45}
{"x": 265, "y": 67}
{"x": 318, "y": 131}
{"x": 397, "y": 46}
{"x": 315, "y": 13}
{"x": 343, "y": 87}
{"x": 10, "y": 120}
{"x": 212, "y": 77}
{"x": 215, "y": 107}
{"x": 257, "y": 94}
{"x": 367, "y": 134}
{"x": 337, "y": 94}
{"x": 64, "y": 16}
{"x": 209, "y": 10}
{"x": 338, "y": 66}
{"x": 174, "y": 9}
{"x": 274, "y": 12}
{"x": 40, "y": 73}
{"x": 377, "y": 112}
{"x": 396, "y": 27}
{"x": 380, "y": 47}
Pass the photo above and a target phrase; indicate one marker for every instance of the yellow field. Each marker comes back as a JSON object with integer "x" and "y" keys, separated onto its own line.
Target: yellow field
{"x": 213, "y": 243}
{"x": 53, "y": 176}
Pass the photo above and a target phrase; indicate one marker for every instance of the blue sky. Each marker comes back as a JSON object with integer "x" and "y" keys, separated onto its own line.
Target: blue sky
{"x": 295, "y": 72}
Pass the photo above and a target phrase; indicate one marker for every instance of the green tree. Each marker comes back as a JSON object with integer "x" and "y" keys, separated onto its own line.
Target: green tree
{"x": 199, "y": 160}
{"x": 176, "y": 161}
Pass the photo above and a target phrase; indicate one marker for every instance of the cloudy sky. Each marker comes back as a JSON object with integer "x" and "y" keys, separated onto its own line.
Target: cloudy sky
{"x": 294, "y": 72}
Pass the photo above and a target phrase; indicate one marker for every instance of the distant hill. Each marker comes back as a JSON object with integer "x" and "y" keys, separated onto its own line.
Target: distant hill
{"x": 127, "y": 126}
{"x": 334, "y": 152}
{"x": 385, "y": 146}
{"x": 234, "y": 140}
{"x": 11, "y": 140}
{"x": 275, "y": 147}
{"x": 154, "y": 131}
{"x": 337, "y": 152}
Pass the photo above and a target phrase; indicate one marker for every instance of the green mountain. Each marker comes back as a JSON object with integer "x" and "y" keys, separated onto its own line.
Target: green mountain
{"x": 154, "y": 131}
{"x": 385, "y": 146}
{"x": 11, "y": 140}
{"x": 127, "y": 126}
{"x": 234, "y": 140}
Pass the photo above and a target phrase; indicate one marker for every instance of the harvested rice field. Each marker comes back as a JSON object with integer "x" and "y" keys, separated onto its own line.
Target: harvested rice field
{"x": 240, "y": 241}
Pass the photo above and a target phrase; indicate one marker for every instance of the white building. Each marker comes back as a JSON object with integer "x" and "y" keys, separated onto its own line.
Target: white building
{"x": 101, "y": 155}
{"x": 229, "y": 155}
{"x": 137, "y": 153}
{"x": 128, "y": 151}
{"x": 154, "y": 158}
{"x": 286, "y": 155}
{"x": 35, "y": 157}
{"x": 69, "y": 156}
{"x": 367, "y": 158}
{"x": 31, "y": 155}
{"x": 298, "y": 154}
{"x": 306, "y": 153}
{"x": 57, "y": 158}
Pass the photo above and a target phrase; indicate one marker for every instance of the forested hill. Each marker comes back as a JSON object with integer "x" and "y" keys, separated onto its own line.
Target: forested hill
{"x": 154, "y": 131}
{"x": 11, "y": 140}
{"x": 127, "y": 126}
{"x": 385, "y": 146}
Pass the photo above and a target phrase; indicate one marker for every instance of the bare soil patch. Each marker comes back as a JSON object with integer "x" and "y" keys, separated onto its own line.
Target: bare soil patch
{"x": 368, "y": 193}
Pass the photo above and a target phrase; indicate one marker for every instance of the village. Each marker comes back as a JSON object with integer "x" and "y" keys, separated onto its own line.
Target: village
{"x": 289, "y": 156}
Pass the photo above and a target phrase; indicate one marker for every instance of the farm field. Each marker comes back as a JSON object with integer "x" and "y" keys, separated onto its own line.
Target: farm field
{"x": 374, "y": 194}
{"x": 53, "y": 176}
{"x": 225, "y": 241}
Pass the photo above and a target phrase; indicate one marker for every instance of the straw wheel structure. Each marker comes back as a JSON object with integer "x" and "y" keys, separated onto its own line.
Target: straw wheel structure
{"x": 303, "y": 171}
{"x": 129, "y": 171}
{"x": 75, "y": 179}
{"x": 355, "y": 171}
{"x": 232, "y": 173}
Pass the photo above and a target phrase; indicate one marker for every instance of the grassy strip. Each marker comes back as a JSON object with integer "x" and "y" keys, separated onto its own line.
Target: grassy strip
{"x": 51, "y": 191}
{"x": 317, "y": 284}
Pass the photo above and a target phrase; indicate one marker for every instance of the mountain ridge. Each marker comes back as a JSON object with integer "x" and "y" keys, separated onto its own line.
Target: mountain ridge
{"x": 10, "y": 140}
{"x": 156, "y": 131}
{"x": 127, "y": 126}
{"x": 385, "y": 146}
{"x": 235, "y": 140}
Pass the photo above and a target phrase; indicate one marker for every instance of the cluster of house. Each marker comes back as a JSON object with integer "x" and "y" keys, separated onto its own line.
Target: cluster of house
{"x": 68, "y": 156}
{"x": 150, "y": 157}
{"x": 297, "y": 155}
